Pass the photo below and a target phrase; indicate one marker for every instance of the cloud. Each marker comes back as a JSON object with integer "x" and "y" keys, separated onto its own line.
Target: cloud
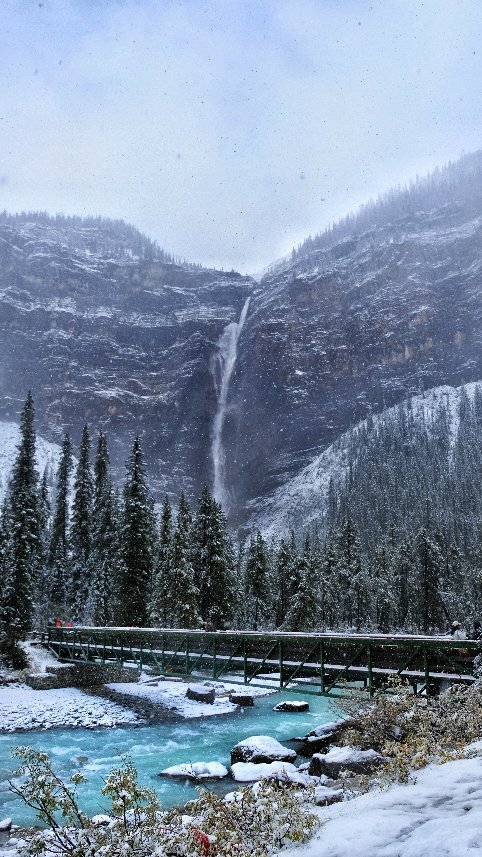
{"x": 196, "y": 120}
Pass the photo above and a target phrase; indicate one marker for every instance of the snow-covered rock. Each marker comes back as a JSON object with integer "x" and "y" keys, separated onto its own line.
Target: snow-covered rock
{"x": 292, "y": 705}
{"x": 201, "y": 693}
{"x": 249, "y": 772}
{"x": 196, "y": 771}
{"x": 261, "y": 748}
{"x": 245, "y": 700}
{"x": 5, "y": 825}
{"x": 344, "y": 759}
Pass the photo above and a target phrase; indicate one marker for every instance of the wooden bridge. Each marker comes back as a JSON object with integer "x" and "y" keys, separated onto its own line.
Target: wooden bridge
{"x": 308, "y": 663}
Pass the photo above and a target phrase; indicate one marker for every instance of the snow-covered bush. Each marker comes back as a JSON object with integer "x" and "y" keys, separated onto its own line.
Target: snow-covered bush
{"x": 413, "y": 731}
{"x": 259, "y": 821}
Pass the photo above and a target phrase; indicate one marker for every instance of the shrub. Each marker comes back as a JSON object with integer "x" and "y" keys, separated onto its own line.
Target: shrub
{"x": 257, "y": 822}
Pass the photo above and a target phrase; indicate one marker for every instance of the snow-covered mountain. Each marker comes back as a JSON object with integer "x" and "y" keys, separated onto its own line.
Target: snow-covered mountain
{"x": 105, "y": 327}
{"x": 386, "y": 305}
{"x": 303, "y": 500}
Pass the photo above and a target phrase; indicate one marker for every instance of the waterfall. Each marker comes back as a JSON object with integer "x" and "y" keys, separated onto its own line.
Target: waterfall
{"x": 222, "y": 369}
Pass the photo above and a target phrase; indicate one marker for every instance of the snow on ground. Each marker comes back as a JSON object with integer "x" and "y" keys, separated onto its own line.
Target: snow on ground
{"x": 440, "y": 815}
{"x": 22, "y": 708}
{"x": 172, "y": 695}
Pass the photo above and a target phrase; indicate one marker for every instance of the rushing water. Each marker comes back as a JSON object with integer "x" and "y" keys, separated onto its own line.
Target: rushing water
{"x": 223, "y": 367}
{"x": 152, "y": 748}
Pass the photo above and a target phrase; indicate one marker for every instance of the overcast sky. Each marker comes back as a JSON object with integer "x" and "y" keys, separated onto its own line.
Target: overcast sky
{"x": 230, "y": 130}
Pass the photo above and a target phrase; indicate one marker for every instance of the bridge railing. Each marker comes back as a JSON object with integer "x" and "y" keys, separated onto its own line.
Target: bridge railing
{"x": 313, "y": 663}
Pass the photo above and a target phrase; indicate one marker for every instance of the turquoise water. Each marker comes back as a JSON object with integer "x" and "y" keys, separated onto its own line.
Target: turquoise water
{"x": 153, "y": 748}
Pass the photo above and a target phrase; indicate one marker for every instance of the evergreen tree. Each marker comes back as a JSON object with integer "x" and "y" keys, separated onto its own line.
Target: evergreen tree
{"x": 42, "y": 584}
{"x": 164, "y": 581}
{"x": 286, "y": 561}
{"x": 184, "y": 599}
{"x": 105, "y": 559}
{"x": 257, "y": 584}
{"x": 24, "y": 521}
{"x": 430, "y": 562}
{"x": 213, "y": 561}
{"x": 304, "y": 610}
{"x": 81, "y": 531}
{"x": 138, "y": 541}
{"x": 58, "y": 558}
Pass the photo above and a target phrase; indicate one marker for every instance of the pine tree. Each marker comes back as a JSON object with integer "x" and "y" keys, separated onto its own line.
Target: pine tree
{"x": 213, "y": 562}
{"x": 184, "y": 599}
{"x": 430, "y": 562}
{"x": 58, "y": 559}
{"x": 304, "y": 609}
{"x": 164, "y": 581}
{"x": 81, "y": 531}
{"x": 257, "y": 584}
{"x": 105, "y": 559}
{"x": 42, "y": 584}
{"x": 138, "y": 541}
{"x": 24, "y": 520}
{"x": 285, "y": 562}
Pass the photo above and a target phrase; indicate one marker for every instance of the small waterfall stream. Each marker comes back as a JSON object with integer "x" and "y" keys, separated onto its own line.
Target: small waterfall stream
{"x": 222, "y": 370}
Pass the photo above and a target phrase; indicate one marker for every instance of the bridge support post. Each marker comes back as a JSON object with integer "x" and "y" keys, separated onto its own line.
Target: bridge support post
{"x": 322, "y": 667}
{"x": 370, "y": 670}
{"x": 280, "y": 661}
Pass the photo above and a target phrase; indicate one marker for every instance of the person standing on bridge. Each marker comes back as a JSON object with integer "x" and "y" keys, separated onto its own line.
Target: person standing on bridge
{"x": 457, "y": 632}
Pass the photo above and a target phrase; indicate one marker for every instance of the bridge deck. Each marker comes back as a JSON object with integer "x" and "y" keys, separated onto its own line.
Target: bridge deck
{"x": 313, "y": 663}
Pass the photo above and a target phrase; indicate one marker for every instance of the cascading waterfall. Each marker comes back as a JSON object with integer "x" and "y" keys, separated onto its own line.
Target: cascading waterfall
{"x": 222, "y": 369}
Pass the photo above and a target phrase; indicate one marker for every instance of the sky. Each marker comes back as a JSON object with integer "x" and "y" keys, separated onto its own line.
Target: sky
{"x": 230, "y": 130}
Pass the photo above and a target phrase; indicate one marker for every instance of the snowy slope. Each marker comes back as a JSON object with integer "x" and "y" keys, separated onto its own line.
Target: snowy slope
{"x": 47, "y": 455}
{"x": 302, "y": 500}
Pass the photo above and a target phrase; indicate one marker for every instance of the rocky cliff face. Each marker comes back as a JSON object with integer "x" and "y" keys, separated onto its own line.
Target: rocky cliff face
{"x": 99, "y": 333}
{"x": 104, "y": 328}
{"x": 390, "y": 307}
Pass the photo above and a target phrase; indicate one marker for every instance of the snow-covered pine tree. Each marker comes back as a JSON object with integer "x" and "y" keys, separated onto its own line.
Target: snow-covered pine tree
{"x": 81, "y": 531}
{"x": 24, "y": 520}
{"x": 42, "y": 584}
{"x": 58, "y": 558}
{"x": 138, "y": 542}
{"x": 164, "y": 582}
{"x": 304, "y": 610}
{"x": 183, "y": 605}
{"x": 213, "y": 562}
{"x": 430, "y": 570}
{"x": 105, "y": 558}
{"x": 257, "y": 585}
{"x": 285, "y": 560}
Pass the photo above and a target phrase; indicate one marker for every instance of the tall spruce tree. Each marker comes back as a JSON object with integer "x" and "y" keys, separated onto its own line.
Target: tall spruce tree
{"x": 257, "y": 584}
{"x": 58, "y": 558}
{"x": 304, "y": 610}
{"x": 138, "y": 540}
{"x": 213, "y": 562}
{"x": 105, "y": 559}
{"x": 164, "y": 581}
{"x": 42, "y": 584}
{"x": 81, "y": 531}
{"x": 25, "y": 536}
{"x": 184, "y": 599}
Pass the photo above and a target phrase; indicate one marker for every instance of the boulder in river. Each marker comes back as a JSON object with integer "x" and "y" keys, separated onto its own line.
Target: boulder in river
{"x": 243, "y": 699}
{"x": 261, "y": 748}
{"x": 292, "y": 705}
{"x": 344, "y": 759}
{"x": 196, "y": 771}
{"x": 201, "y": 693}
{"x": 248, "y": 772}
